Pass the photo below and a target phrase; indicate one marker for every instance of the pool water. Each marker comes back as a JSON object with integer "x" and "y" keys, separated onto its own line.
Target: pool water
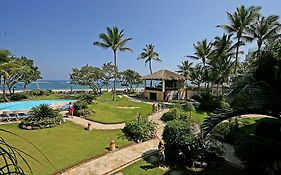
{"x": 25, "y": 105}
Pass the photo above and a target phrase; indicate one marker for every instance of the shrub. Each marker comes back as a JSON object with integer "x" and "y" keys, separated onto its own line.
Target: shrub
{"x": 81, "y": 109}
{"x": 88, "y": 98}
{"x": 269, "y": 128}
{"x": 42, "y": 116}
{"x": 226, "y": 132}
{"x": 258, "y": 153}
{"x": 18, "y": 96}
{"x": 40, "y": 92}
{"x": 209, "y": 102}
{"x": 140, "y": 129}
{"x": 180, "y": 142}
{"x": 184, "y": 146}
{"x": 176, "y": 112}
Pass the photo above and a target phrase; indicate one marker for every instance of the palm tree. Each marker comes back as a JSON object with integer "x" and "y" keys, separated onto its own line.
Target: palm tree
{"x": 254, "y": 92}
{"x": 203, "y": 50}
{"x": 148, "y": 54}
{"x": 264, "y": 29}
{"x": 113, "y": 39}
{"x": 240, "y": 20}
{"x": 221, "y": 59}
{"x": 185, "y": 69}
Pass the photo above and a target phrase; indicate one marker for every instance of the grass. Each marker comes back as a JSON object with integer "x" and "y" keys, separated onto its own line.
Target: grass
{"x": 64, "y": 145}
{"x": 198, "y": 116}
{"x": 107, "y": 111}
{"x": 144, "y": 167}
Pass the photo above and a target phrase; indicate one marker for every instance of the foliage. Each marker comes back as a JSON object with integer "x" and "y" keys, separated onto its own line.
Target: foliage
{"x": 39, "y": 92}
{"x": 89, "y": 98}
{"x": 258, "y": 153}
{"x": 269, "y": 128}
{"x": 108, "y": 70}
{"x": 183, "y": 146}
{"x": 189, "y": 107}
{"x": 149, "y": 54}
{"x": 18, "y": 96}
{"x": 140, "y": 129}
{"x": 226, "y": 132}
{"x": 42, "y": 116}
{"x": 176, "y": 112}
{"x": 81, "y": 109}
{"x": 87, "y": 76}
{"x": 113, "y": 39}
{"x": 254, "y": 92}
{"x": 185, "y": 69}
{"x": 209, "y": 102}
{"x": 130, "y": 78}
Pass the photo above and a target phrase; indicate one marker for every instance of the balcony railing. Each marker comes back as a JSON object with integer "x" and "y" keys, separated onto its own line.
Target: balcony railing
{"x": 160, "y": 89}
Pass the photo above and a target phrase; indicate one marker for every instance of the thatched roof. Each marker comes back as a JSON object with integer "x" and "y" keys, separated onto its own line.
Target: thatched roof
{"x": 163, "y": 75}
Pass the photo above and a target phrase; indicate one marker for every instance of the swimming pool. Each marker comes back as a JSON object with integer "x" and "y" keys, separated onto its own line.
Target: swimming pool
{"x": 25, "y": 105}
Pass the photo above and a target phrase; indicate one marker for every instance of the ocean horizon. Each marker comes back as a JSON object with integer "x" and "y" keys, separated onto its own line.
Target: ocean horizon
{"x": 60, "y": 85}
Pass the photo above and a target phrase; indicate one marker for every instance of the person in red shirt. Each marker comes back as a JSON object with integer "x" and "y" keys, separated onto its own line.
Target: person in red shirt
{"x": 70, "y": 109}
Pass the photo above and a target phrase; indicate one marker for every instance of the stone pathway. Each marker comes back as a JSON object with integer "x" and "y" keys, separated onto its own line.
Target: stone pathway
{"x": 114, "y": 161}
{"x": 95, "y": 125}
{"x": 230, "y": 156}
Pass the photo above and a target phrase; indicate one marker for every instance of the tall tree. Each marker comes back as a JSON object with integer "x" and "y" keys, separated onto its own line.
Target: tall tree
{"x": 148, "y": 54}
{"x": 113, "y": 39}
{"x": 108, "y": 70}
{"x": 240, "y": 21}
{"x": 264, "y": 29}
{"x": 221, "y": 59}
{"x": 130, "y": 78}
{"x": 203, "y": 49}
{"x": 185, "y": 69}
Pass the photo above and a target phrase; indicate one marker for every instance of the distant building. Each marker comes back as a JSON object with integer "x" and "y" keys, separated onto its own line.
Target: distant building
{"x": 164, "y": 85}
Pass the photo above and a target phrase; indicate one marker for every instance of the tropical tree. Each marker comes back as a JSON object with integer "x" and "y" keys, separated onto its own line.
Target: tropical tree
{"x": 202, "y": 51}
{"x": 130, "y": 78}
{"x": 240, "y": 21}
{"x": 264, "y": 29}
{"x": 113, "y": 38}
{"x": 185, "y": 69}
{"x": 221, "y": 59}
{"x": 108, "y": 70}
{"x": 87, "y": 76}
{"x": 254, "y": 92}
{"x": 148, "y": 54}
{"x": 196, "y": 77}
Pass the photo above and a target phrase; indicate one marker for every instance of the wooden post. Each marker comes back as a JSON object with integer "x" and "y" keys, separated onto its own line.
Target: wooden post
{"x": 163, "y": 89}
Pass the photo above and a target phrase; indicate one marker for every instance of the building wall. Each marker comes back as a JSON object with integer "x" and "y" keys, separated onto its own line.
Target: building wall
{"x": 160, "y": 94}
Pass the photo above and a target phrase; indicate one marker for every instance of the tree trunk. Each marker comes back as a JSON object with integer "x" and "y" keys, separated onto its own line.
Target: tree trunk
{"x": 236, "y": 55}
{"x": 115, "y": 74}
{"x": 259, "y": 49}
{"x": 24, "y": 87}
{"x": 150, "y": 71}
{"x": 4, "y": 91}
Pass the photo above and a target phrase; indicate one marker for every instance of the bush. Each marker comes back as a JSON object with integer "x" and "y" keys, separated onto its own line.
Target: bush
{"x": 269, "y": 128}
{"x": 88, "y": 98}
{"x": 258, "y": 153}
{"x": 176, "y": 112}
{"x": 180, "y": 142}
{"x": 81, "y": 109}
{"x": 184, "y": 146}
{"x": 18, "y": 96}
{"x": 226, "y": 132}
{"x": 209, "y": 102}
{"x": 140, "y": 129}
{"x": 40, "y": 92}
{"x": 42, "y": 116}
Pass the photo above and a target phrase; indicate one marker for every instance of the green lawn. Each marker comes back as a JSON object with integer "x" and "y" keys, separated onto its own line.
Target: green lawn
{"x": 144, "y": 167}
{"x": 107, "y": 111}
{"x": 198, "y": 116}
{"x": 64, "y": 145}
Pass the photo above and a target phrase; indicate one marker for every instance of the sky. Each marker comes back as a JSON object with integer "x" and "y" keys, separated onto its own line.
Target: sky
{"x": 59, "y": 34}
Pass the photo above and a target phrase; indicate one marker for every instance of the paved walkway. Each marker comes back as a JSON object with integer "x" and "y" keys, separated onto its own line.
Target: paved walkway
{"x": 230, "y": 156}
{"x": 115, "y": 161}
{"x": 94, "y": 125}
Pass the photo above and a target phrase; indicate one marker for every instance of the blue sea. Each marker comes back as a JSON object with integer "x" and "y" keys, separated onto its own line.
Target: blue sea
{"x": 59, "y": 85}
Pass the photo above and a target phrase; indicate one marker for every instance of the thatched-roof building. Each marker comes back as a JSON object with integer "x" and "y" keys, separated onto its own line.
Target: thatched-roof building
{"x": 164, "y": 85}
